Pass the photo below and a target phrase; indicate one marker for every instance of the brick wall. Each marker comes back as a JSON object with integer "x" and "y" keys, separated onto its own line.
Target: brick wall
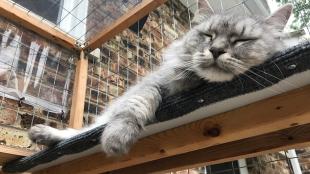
{"x": 36, "y": 80}
{"x": 129, "y": 55}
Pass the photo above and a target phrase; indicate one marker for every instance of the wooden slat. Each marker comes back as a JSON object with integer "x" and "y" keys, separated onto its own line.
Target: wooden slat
{"x": 295, "y": 137}
{"x": 10, "y": 153}
{"x": 123, "y": 22}
{"x": 79, "y": 93}
{"x": 35, "y": 24}
{"x": 269, "y": 115}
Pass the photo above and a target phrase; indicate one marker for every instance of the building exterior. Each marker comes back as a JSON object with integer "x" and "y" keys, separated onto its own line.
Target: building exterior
{"x": 36, "y": 75}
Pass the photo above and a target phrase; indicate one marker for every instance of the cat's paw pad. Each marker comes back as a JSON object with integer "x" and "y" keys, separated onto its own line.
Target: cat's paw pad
{"x": 118, "y": 138}
{"x": 42, "y": 134}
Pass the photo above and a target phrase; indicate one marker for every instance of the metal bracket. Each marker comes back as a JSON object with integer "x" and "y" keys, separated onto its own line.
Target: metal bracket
{"x": 20, "y": 101}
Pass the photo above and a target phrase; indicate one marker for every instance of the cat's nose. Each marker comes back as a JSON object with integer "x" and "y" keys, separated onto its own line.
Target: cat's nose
{"x": 216, "y": 52}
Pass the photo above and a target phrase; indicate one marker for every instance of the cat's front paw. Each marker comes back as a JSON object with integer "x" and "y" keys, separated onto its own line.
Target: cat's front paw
{"x": 42, "y": 134}
{"x": 119, "y": 136}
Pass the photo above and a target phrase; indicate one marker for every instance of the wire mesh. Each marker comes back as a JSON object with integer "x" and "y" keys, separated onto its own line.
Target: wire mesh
{"x": 129, "y": 56}
{"x": 81, "y": 19}
{"x": 36, "y": 76}
{"x": 36, "y": 79}
{"x": 123, "y": 60}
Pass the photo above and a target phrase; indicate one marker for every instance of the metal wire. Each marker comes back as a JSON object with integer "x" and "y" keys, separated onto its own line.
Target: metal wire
{"x": 134, "y": 63}
{"x": 31, "y": 103}
{"x": 103, "y": 17}
{"x": 126, "y": 5}
{"x": 136, "y": 57}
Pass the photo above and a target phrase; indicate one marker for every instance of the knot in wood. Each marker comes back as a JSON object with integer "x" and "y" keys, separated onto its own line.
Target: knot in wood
{"x": 213, "y": 132}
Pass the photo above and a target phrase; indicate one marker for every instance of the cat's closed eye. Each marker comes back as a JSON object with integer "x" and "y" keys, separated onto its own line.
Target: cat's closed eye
{"x": 210, "y": 36}
{"x": 242, "y": 40}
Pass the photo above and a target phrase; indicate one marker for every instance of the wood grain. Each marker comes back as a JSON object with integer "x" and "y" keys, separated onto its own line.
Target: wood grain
{"x": 295, "y": 137}
{"x": 125, "y": 21}
{"x": 10, "y": 153}
{"x": 35, "y": 24}
{"x": 263, "y": 117}
{"x": 79, "y": 93}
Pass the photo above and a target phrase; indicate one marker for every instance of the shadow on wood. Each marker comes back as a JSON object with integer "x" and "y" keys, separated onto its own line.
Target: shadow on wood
{"x": 294, "y": 137}
{"x": 259, "y": 118}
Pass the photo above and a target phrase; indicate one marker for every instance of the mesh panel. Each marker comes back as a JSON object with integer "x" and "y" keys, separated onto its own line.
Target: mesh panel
{"x": 36, "y": 76}
{"x": 36, "y": 80}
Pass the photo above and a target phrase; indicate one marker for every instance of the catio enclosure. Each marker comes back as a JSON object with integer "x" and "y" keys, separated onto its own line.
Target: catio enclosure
{"x": 61, "y": 66}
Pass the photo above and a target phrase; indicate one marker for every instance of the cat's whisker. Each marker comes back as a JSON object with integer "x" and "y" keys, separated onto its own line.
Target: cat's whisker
{"x": 241, "y": 67}
{"x": 257, "y": 74}
{"x": 277, "y": 92}
{"x": 186, "y": 64}
{"x": 173, "y": 55}
{"x": 187, "y": 74}
{"x": 177, "y": 54}
{"x": 171, "y": 75}
{"x": 240, "y": 82}
{"x": 278, "y": 69}
{"x": 283, "y": 80}
{"x": 180, "y": 75}
{"x": 178, "y": 68}
{"x": 183, "y": 74}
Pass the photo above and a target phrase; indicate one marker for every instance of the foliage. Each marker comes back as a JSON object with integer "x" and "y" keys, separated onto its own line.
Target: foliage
{"x": 301, "y": 13}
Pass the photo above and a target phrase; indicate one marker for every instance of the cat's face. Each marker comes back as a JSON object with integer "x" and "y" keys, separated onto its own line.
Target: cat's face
{"x": 223, "y": 46}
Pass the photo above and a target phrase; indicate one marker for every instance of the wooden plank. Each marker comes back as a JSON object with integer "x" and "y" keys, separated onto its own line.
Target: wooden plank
{"x": 9, "y": 153}
{"x": 35, "y": 24}
{"x": 295, "y": 137}
{"x": 123, "y": 22}
{"x": 79, "y": 93}
{"x": 269, "y": 115}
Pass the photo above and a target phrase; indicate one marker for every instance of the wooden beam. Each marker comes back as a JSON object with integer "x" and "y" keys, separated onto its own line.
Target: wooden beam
{"x": 79, "y": 93}
{"x": 9, "y": 153}
{"x": 266, "y": 116}
{"x": 295, "y": 137}
{"x": 35, "y": 24}
{"x": 128, "y": 19}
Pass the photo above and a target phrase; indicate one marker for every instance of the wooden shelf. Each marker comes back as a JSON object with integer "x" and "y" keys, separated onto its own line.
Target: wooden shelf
{"x": 220, "y": 136}
{"x": 291, "y": 138}
{"x": 10, "y": 153}
{"x": 250, "y": 125}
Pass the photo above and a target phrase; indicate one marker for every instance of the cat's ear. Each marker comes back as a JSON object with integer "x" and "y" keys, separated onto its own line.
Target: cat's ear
{"x": 281, "y": 16}
{"x": 203, "y": 12}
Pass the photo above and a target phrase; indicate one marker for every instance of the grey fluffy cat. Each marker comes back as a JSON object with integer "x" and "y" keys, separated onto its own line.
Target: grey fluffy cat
{"x": 218, "y": 48}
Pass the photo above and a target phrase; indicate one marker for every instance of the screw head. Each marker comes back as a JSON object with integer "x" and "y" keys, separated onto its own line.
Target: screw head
{"x": 213, "y": 132}
{"x": 201, "y": 100}
{"x": 292, "y": 66}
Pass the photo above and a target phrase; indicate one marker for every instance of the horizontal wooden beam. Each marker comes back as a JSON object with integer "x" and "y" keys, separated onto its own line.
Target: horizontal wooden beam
{"x": 35, "y": 24}
{"x": 9, "y": 153}
{"x": 125, "y": 21}
{"x": 259, "y": 118}
{"x": 295, "y": 137}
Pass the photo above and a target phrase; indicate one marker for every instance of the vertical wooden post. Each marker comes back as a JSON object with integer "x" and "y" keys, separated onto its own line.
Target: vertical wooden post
{"x": 79, "y": 92}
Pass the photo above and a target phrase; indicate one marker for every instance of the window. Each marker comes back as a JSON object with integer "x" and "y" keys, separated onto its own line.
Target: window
{"x": 48, "y": 9}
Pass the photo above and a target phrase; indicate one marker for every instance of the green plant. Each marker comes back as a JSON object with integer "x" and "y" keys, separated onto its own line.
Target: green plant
{"x": 301, "y": 12}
